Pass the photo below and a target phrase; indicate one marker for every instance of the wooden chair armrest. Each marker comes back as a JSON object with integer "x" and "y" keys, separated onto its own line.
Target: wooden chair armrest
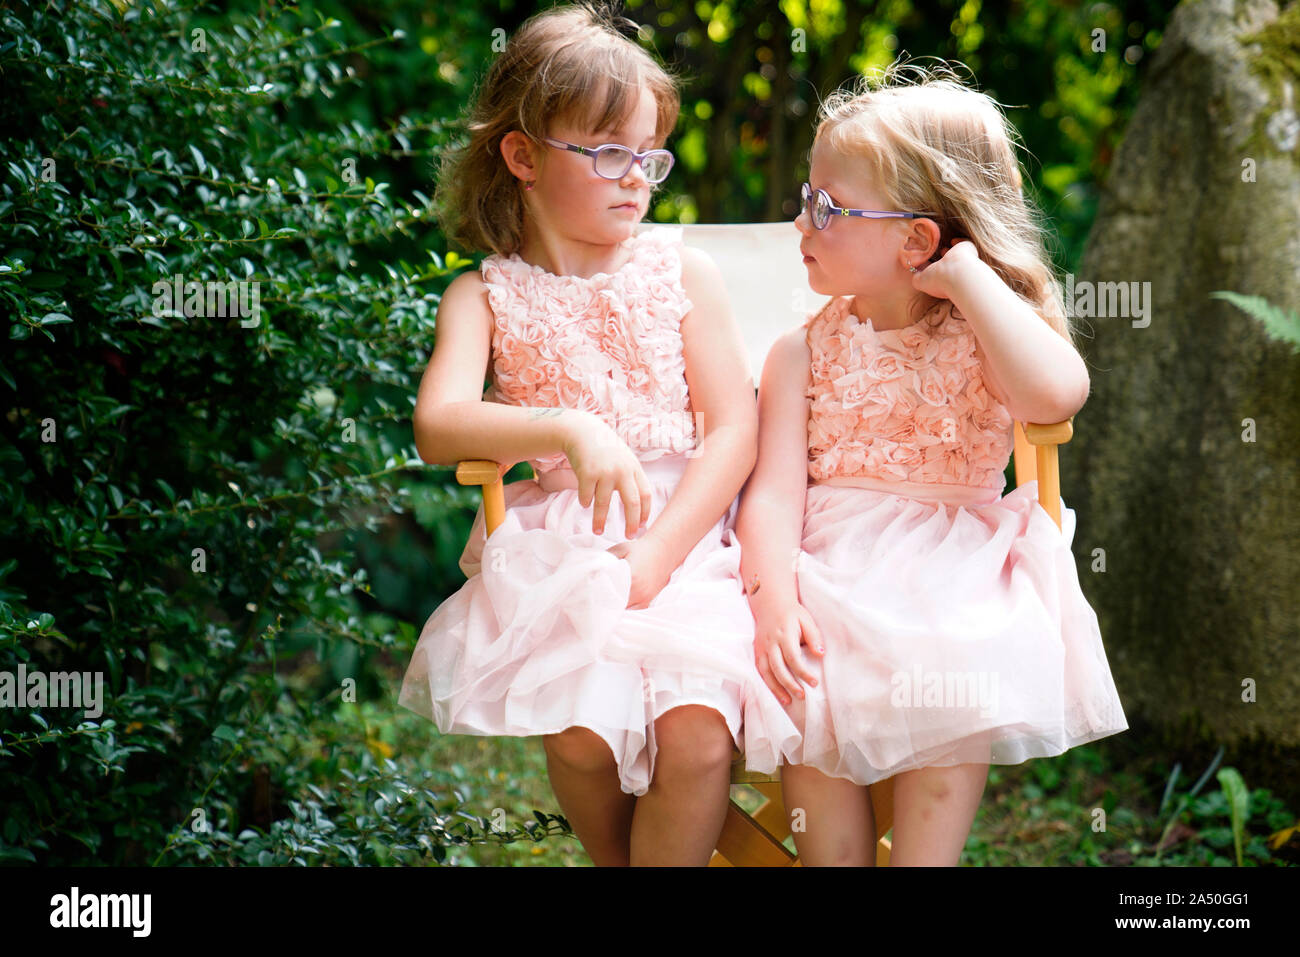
{"x": 1036, "y": 458}
{"x": 488, "y": 474}
{"x": 478, "y": 471}
{"x": 1058, "y": 433}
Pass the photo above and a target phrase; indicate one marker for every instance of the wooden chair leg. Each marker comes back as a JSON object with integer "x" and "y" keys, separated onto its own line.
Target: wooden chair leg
{"x": 754, "y": 840}
{"x": 771, "y": 815}
{"x": 1049, "y": 482}
{"x": 1026, "y": 462}
{"x": 1047, "y": 463}
{"x": 758, "y": 840}
{"x": 744, "y": 842}
{"x": 882, "y": 807}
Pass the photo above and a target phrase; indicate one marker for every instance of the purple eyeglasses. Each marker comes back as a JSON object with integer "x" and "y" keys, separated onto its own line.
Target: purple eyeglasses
{"x": 823, "y": 209}
{"x": 612, "y": 161}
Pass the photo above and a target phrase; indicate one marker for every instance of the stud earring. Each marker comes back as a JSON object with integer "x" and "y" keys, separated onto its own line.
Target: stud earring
{"x": 911, "y": 269}
{"x": 528, "y": 185}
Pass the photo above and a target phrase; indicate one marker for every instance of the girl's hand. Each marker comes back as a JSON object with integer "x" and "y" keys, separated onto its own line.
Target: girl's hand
{"x": 941, "y": 279}
{"x": 776, "y": 650}
{"x": 650, "y": 569}
{"x": 603, "y": 464}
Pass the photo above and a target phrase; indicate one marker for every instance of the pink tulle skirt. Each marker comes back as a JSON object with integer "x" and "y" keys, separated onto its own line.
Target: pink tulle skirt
{"x": 540, "y": 638}
{"x": 954, "y": 633}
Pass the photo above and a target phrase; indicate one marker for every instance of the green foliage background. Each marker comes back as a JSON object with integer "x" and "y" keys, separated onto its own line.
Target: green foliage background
{"x": 231, "y": 523}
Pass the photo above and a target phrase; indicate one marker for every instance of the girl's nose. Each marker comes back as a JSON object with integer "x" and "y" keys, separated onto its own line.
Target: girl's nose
{"x": 636, "y": 174}
{"x": 803, "y": 222}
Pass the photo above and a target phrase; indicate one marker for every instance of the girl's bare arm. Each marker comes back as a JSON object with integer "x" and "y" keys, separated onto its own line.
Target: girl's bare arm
{"x": 453, "y": 423}
{"x": 726, "y": 421}
{"x": 1042, "y": 376}
{"x": 769, "y": 524}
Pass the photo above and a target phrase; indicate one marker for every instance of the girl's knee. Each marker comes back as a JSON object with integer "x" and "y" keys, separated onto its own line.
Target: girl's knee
{"x": 938, "y": 786}
{"x": 936, "y": 789}
{"x": 581, "y": 749}
{"x": 693, "y": 739}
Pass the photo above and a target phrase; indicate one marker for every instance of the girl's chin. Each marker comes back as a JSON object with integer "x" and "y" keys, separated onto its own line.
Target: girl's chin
{"x": 624, "y": 226}
{"x": 823, "y": 285}
{"x": 817, "y": 282}
{"x": 605, "y": 232}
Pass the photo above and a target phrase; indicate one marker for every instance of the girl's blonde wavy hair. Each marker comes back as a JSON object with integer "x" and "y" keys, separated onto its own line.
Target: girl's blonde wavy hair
{"x": 568, "y": 63}
{"x": 930, "y": 143}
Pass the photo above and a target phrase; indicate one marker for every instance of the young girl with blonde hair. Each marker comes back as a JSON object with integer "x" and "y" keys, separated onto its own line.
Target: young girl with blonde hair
{"x": 619, "y": 374}
{"x": 928, "y": 626}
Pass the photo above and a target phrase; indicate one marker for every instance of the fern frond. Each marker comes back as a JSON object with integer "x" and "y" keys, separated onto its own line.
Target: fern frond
{"x": 1279, "y": 323}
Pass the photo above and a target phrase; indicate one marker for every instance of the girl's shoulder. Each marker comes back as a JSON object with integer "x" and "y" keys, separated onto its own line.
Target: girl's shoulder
{"x": 468, "y": 286}
{"x": 698, "y": 268}
{"x": 464, "y": 303}
{"x": 790, "y": 351}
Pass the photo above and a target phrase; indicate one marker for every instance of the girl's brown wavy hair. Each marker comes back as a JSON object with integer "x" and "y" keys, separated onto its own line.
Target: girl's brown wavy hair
{"x": 567, "y": 64}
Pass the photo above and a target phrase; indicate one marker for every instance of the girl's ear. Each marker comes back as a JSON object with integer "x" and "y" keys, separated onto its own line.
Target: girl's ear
{"x": 520, "y": 155}
{"x": 921, "y": 243}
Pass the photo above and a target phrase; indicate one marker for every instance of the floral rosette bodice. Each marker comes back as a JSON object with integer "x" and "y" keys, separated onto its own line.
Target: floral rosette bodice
{"x": 902, "y": 405}
{"x": 609, "y": 344}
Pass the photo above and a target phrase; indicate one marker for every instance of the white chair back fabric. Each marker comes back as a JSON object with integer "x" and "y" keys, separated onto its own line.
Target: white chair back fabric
{"x": 765, "y": 277}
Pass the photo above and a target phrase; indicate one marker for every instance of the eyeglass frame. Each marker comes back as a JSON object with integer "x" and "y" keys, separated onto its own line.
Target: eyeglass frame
{"x": 807, "y": 193}
{"x": 595, "y": 151}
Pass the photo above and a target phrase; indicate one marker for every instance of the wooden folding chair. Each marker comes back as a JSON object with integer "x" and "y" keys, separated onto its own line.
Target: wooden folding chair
{"x": 769, "y": 293}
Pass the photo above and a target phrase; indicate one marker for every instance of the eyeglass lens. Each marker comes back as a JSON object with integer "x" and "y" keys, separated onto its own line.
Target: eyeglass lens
{"x": 614, "y": 162}
{"x": 821, "y": 211}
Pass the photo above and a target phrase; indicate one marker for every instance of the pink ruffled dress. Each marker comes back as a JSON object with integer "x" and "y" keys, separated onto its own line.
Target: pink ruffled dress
{"x": 954, "y": 625}
{"x": 540, "y": 639}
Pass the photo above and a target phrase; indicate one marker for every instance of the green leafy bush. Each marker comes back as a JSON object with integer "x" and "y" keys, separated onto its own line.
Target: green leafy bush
{"x": 185, "y": 484}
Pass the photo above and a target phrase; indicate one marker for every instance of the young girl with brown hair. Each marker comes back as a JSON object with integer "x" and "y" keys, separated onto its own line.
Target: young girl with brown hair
{"x": 619, "y": 374}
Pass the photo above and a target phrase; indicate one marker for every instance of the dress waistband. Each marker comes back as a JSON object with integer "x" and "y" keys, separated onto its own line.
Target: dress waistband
{"x": 665, "y": 467}
{"x": 943, "y": 493}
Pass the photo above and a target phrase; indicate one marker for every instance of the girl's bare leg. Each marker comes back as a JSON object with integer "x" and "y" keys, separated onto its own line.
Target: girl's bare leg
{"x": 584, "y": 777}
{"x": 831, "y": 818}
{"x": 933, "y": 812}
{"x": 678, "y": 820}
